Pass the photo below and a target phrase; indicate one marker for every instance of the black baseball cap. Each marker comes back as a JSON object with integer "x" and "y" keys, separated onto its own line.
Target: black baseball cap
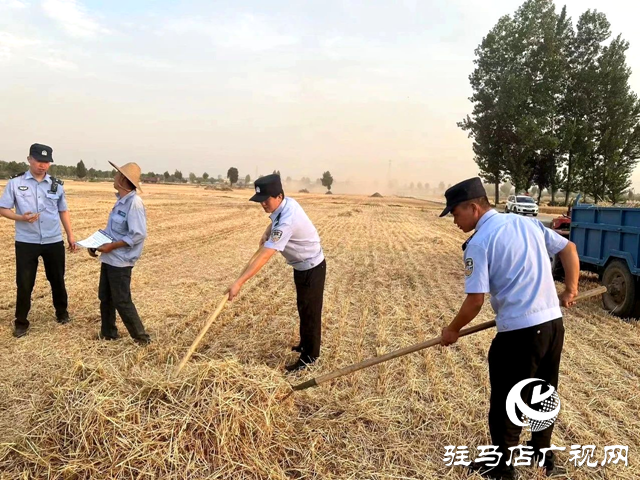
{"x": 41, "y": 153}
{"x": 463, "y": 191}
{"x": 267, "y": 186}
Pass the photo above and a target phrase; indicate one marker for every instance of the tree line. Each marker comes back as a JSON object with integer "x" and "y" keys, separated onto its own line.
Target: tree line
{"x": 327, "y": 179}
{"x": 552, "y": 106}
{"x": 80, "y": 171}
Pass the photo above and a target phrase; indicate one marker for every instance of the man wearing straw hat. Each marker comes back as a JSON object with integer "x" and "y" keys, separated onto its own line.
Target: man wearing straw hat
{"x": 40, "y": 206}
{"x": 127, "y": 227}
{"x": 292, "y": 233}
{"x": 508, "y": 257}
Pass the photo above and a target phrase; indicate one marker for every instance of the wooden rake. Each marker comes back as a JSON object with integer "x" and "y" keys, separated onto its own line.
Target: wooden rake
{"x": 314, "y": 382}
{"x": 210, "y": 320}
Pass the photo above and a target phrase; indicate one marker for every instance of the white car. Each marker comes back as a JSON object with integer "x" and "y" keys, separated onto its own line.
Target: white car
{"x": 521, "y": 204}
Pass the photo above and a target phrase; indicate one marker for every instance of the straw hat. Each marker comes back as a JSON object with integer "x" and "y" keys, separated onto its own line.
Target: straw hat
{"x": 131, "y": 171}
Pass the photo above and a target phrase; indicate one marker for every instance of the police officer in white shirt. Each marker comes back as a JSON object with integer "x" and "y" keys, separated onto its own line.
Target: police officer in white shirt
{"x": 292, "y": 233}
{"x": 508, "y": 257}
{"x": 40, "y": 207}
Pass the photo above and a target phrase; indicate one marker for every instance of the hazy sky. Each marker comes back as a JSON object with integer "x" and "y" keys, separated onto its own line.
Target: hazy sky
{"x": 299, "y": 86}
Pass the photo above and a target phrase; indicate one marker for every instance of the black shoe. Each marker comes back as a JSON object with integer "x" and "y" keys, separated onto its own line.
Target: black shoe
{"x": 300, "y": 364}
{"x": 103, "y": 337}
{"x": 297, "y": 348}
{"x": 143, "y": 342}
{"x": 501, "y": 472}
{"x": 20, "y": 331}
{"x": 63, "y": 319}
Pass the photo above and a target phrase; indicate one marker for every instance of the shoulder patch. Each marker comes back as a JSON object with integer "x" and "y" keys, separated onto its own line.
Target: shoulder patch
{"x": 276, "y": 235}
{"x": 18, "y": 175}
{"x": 468, "y": 267}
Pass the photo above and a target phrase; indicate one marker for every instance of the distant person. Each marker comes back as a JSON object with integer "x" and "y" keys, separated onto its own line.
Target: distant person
{"x": 127, "y": 226}
{"x": 40, "y": 206}
{"x": 508, "y": 257}
{"x": 292, "y": 233}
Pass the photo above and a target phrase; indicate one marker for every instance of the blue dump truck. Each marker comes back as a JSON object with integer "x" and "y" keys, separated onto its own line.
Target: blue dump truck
{"x": 608, "y": 243}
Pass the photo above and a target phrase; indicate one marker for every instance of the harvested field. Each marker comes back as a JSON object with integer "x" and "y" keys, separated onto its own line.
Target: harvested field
{"x": 75, "y": 408}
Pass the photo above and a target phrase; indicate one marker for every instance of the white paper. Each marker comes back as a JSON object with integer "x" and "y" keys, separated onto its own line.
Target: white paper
{"x": 96, "y": 240}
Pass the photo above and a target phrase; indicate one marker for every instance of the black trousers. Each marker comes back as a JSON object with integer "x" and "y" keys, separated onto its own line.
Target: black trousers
{"x": 53, "y": 256}
{"x": 310, "y": 293}
{"x": 532, "y": 352}
{"x": 114, "y": 293}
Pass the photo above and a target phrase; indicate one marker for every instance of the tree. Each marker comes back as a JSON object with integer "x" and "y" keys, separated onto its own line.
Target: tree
{"x": 288, "y": 180}
{"x": 205, "y": 175}
{"x": 247, "y": 179}
{"x": 412, "y": 186}
{"x": 580, "y": 105}
{"x": 618, "y": 132}
{"x": 81, "y": 170}
{"x": 419, "y": 185}
{"x": 92, "y": 173}
{"x": 520, "y": 73}
{"x": 441, "y": 187}
{"x": 178, "y": 175}
{"x": 166, "y": 176}
{"x": 427, "y": 187}
{"x": 327, "y": 180}
{"x": 232, "y": 175}
{"x": 192, "y": 177}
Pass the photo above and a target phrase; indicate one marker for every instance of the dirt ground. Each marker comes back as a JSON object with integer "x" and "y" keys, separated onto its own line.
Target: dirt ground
{"x": 72, "y": 407}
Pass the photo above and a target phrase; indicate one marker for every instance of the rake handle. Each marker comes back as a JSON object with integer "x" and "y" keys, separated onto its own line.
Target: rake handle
{"x": 212, "y": 318}
{"x": 414, "y": 348}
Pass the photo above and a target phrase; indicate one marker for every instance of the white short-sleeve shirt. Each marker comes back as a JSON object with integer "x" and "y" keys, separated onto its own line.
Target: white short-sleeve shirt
{"x": 508, "y": 257}
{"x": 293, "y": 234}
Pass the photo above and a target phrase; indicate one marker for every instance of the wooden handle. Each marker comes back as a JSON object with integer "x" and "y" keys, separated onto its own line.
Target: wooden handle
{"x": 590, "y": 293}
{"x": 203, "y": 332}
{"x": 212, "y": 318}
{"x": 414, "y": 348}
{"x": 388, "y": 356}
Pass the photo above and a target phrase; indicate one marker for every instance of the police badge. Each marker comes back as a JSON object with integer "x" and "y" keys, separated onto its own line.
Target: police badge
{"x": 468, "y": 267}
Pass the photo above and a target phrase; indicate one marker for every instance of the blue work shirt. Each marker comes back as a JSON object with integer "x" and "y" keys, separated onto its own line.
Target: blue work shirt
{"x": 293, "y": 234}
{"x": 508, "y": 257}
{"x": 127, "y": 222}
{"x": 26, "y": 194}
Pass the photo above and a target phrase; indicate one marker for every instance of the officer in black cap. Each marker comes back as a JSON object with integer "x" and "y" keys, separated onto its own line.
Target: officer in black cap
{"x": 508, "y": 257}
{"x": 40, "y": 206}
{"x": 292, "y": 234}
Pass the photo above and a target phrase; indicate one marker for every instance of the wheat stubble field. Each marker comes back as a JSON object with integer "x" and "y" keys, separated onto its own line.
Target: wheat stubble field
{"x": 75, "y": 408}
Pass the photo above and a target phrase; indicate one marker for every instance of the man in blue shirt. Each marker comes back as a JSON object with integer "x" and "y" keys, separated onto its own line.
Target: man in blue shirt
{"x": 40, "y": 205}
{"x": 127, "y": 227}
{"x": 508, "y": 257}
{"x": 292, "y": 234}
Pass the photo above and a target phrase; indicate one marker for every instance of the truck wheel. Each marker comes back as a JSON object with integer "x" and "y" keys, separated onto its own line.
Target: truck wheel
{"x": 557, "y": 270}
{"x": 620, "y": 298}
